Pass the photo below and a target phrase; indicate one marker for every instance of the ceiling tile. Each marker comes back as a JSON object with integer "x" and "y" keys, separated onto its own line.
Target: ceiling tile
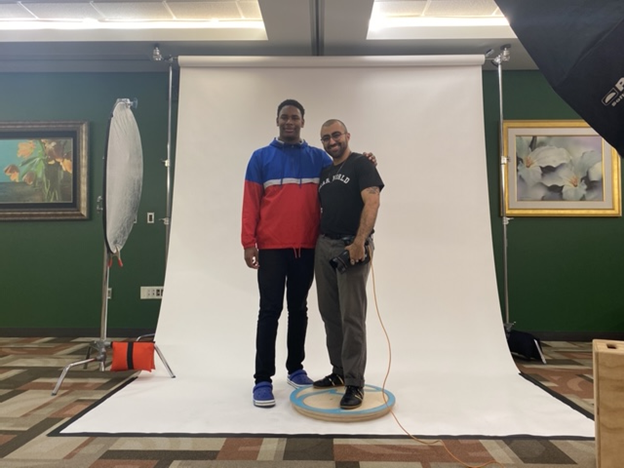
{"x": 205, "y": 10}
{"x": 14, "y": 12}
{"x": 129, "y": 11}
{"x": 60, "y": 11}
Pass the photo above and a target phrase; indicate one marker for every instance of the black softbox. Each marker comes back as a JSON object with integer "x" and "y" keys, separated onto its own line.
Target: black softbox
{"x": 578, "y": 45}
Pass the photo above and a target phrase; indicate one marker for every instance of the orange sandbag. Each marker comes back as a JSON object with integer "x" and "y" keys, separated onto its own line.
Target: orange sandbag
{"x": 133, "y": 355}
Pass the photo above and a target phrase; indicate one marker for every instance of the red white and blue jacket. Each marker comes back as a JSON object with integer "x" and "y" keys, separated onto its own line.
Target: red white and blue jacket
{"x": 280, "y": 202}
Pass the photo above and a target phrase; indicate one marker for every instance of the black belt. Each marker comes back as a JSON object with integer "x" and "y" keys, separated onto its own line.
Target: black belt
{"x": 348, "y": 239}
{"x": 337, "y": 236}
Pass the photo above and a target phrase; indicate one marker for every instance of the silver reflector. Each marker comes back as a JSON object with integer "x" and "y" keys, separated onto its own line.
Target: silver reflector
{"x": 123, "y": 176}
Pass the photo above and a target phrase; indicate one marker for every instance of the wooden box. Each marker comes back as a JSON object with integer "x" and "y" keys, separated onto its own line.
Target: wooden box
{"x": 608, "y": 359}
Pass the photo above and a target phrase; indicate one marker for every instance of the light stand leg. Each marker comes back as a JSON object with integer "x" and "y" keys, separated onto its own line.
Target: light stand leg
{"x": 539, "y": 350}
{"x": 88, "y": 356}
{"x": 101, "y": 345}
{"x": 64, "y": 373}
{"x": 164, "y": 361}
{"x": 159, "y": 352}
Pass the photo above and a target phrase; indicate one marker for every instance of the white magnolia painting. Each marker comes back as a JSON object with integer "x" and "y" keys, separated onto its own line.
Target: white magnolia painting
{"x": 559, "y": 168}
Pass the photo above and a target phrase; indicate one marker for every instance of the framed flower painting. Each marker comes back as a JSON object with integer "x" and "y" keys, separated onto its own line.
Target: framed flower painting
{"x": 44, "y": 170}
{"x": 559, "y": 168}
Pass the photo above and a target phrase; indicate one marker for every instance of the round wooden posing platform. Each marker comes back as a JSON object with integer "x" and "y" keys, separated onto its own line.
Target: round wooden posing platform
{"x": 324, "y": 404}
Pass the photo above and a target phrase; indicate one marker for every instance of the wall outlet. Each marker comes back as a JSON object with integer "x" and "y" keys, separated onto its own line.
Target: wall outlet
{"x": 151, "y": 292}
{"x": 150, "y": 218}
{"x": 110, "y": 293}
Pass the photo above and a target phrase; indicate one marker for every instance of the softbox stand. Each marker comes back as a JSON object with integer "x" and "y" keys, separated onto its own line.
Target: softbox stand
{"x": 123, "y": 178}
{"x": 520, "y": 343}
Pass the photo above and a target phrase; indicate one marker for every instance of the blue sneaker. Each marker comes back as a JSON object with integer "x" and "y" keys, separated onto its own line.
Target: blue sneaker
{"x": 263, "y": 395}
{"x": 299, "y": 379}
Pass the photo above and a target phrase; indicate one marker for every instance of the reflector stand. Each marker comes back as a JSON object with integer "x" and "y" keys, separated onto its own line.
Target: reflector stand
{"x": 123, "y": 178}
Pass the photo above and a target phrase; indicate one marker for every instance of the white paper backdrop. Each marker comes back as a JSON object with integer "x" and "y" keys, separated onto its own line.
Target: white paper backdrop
{"x": 451, "y": 373}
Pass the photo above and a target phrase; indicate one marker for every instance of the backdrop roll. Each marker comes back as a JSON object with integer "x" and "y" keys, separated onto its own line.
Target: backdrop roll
{"x": 451, "y": 368}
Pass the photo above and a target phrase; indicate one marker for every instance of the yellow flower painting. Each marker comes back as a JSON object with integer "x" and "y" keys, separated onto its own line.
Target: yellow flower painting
{"x": 38, "y": 170}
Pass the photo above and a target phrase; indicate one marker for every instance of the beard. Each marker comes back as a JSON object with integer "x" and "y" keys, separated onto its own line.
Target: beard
{"x": 337, "y": 150}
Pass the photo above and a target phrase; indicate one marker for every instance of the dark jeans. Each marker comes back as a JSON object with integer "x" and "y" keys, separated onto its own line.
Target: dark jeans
{"x": 292, "y": 270}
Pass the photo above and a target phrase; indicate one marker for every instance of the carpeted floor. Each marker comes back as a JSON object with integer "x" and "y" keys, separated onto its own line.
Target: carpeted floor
{"x": 30, "y": 367}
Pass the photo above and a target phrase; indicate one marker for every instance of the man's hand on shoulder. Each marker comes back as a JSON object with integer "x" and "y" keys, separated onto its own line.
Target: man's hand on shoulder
{"x": 371, "y": 157}
{"x": 251, "y": 258}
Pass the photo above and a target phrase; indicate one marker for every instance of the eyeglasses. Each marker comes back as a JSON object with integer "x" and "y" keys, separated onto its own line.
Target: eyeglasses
{"x": 333, "y": 136}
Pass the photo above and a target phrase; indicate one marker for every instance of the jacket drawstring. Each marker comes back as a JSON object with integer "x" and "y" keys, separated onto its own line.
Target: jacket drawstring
{"x": 284, "y": 162}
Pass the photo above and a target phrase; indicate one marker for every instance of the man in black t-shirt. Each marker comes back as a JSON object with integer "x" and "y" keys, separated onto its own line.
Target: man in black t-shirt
{"x": 349, "y": 194}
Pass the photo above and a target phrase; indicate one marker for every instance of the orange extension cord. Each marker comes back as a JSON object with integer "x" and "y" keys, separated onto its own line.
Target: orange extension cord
{"x": 383, "y": 390}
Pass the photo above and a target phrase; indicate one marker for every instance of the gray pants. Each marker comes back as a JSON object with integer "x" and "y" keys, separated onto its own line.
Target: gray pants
{"x": 342, "y": 303}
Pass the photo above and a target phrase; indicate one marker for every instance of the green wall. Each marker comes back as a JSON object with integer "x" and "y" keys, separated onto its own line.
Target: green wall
{"x": 51, "y": 272}
{"x": 564, "y": 273}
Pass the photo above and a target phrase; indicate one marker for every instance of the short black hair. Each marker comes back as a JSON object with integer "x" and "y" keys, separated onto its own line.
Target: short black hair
{"x": 290, "y": 102}
{"x": 332, "y": 122}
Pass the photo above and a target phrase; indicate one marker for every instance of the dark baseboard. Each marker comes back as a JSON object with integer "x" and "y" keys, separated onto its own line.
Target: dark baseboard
{"x": 74, "y": 332}
{"x": 576, "y": 336}
{"x": 135, "y": 332}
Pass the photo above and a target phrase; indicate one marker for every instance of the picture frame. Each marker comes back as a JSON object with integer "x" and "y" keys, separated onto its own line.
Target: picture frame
{"x": 44, "y": 170}
{"x": 559, "y": 168}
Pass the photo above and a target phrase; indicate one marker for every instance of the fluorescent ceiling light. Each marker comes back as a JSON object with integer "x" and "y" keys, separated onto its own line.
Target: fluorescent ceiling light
{"x": 143, "y": 25}
{"x": 377, "y": 24}
{"x": 432, "y": 28}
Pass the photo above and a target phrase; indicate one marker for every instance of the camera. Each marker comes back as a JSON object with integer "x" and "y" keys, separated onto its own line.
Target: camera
{"x": 342, "y": 262}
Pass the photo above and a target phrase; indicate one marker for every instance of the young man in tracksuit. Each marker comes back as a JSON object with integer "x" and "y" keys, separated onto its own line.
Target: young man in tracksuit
{"x": 280, "y": 226}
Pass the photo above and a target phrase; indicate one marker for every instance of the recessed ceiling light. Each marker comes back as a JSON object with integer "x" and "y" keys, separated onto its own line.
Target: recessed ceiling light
{"x": 424, "y": 22}
{"x": 90, "y": 23}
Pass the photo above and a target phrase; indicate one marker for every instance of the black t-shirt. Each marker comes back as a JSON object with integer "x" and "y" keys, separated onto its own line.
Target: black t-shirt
{"x": 340, "y": 193}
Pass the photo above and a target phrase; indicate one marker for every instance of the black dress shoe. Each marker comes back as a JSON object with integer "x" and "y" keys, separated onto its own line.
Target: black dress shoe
{"x": 332, "y": 380}
{"x": 352, "y": 398}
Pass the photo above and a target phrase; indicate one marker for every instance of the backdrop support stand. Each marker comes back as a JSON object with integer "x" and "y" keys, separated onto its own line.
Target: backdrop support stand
{"x": 498, "y": 62}
{"x": 519, "y": 342}
{"x": 167, "y": 219}
{"x": 158, "y": 57}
